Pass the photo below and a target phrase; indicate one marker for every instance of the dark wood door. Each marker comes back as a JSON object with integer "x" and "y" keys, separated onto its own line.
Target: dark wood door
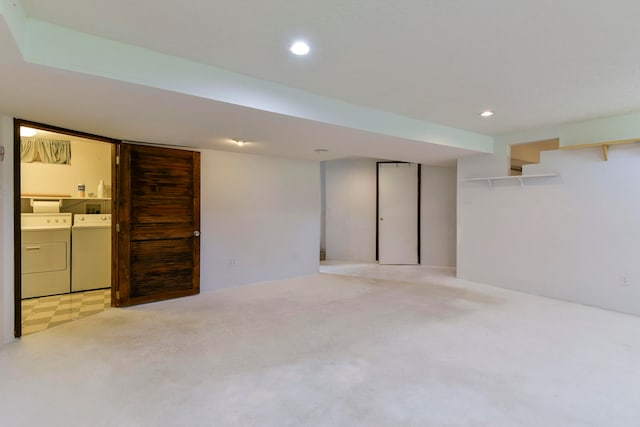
{"x": 158, "y": 224}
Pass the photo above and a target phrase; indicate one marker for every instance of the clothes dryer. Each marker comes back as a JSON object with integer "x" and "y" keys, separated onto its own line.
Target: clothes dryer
{"x": 46, "y": 268}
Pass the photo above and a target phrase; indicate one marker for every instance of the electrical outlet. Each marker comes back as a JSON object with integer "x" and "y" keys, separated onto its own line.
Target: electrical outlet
{"x": 232, "y": 261}
{"x": 624, "y": 280}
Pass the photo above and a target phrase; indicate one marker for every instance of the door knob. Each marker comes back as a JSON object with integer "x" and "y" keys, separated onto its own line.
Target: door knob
{"x": 381, "y": 219}
{"x": 196, "y": 233}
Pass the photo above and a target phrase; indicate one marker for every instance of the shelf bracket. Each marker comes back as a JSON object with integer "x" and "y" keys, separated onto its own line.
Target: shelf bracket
{"x": 605, "y": 152}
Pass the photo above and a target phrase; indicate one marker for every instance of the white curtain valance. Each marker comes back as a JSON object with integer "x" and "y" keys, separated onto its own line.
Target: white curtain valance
{"x": 45, "y": 151}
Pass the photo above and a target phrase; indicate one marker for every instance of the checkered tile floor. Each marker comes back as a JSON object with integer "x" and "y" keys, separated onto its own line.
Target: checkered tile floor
{"x": 41, "y": 313}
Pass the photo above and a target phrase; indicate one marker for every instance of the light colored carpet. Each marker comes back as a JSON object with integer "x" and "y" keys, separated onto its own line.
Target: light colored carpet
{"x": 422, "y": 349}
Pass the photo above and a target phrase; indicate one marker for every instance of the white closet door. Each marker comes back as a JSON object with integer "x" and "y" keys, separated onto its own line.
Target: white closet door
{"x": 398, "y": 213}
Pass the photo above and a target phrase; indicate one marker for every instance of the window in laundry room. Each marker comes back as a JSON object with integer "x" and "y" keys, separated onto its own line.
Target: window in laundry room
{"x": 45, "y": 150}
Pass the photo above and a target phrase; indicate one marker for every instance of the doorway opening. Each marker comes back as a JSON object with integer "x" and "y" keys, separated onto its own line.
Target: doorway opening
{"x": 63, "y": 183}
{"x": 529, "y": 153}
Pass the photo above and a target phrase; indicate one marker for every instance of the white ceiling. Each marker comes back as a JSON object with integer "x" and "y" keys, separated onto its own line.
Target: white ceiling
{"x": 535, "y": 63}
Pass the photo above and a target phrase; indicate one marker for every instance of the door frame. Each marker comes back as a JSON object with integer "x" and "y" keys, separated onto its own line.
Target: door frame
{"x": 17, "y": 235}
{"x": 378, "y": 205}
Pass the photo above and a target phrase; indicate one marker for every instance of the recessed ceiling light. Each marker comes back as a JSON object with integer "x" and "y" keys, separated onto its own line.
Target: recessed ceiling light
{"x": 239, "y": 142}
{"x": 487, "y": 113}
{"x": 25, "y": 131}
{"x": 300, "y": 48}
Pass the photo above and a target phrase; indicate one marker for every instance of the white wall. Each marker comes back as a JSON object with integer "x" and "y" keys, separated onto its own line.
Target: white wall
{"x": 6, "y": 231}
{"x": 350, "y": 209}
{"x": 576, "y": 237}
{"x": 90, "y": 162}
{"x": 260, "y": 218}
{"x": 351, "y": 212}
{"x": 438, "y": 216}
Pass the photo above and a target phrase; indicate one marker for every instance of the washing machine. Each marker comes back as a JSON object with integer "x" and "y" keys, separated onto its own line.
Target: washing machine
{"x": 46, "y": 260}
{"x": 91, "y": 252}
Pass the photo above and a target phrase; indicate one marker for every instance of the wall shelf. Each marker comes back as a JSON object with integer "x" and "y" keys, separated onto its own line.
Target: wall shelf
{"x": 67, "y": 203}
{"x": 521, "y": 178}
{"x": 605, "y": 146}
{"x": 63, "y": 197}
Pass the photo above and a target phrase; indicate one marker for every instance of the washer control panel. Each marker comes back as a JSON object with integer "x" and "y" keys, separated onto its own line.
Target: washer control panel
{"x": 91, "y": 220}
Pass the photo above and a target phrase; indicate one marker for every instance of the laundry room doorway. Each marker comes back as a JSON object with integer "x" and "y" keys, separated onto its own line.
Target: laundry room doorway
{"x": 144, "y": 200}
{"x": 63, "y": 230}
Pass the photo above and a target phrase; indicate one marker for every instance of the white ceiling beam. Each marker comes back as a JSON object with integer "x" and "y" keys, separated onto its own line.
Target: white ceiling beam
{"x": 46, "y": 44}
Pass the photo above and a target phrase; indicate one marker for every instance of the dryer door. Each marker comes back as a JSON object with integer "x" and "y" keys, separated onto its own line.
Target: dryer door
{"x": 44, "y": 257}
{"x": 45, "y": 263}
